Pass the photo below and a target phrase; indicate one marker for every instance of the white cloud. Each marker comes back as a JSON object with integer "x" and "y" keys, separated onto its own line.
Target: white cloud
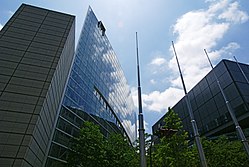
{"x": 158, "y": 101}
{"x": 233, "y": 14}
{"x": 152, "y": 81}
{"x": 202, "y": 29}
{"x": 1, "y": 26}
{"x": 226, "y": 50}
{"x": 158, "y": 64}
{"x": 216, "y": 6}
{"x": 195, "y": 31}
{"x": 158, "y": 61}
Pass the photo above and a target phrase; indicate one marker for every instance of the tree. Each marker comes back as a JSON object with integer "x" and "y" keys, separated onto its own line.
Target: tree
{"x": 92, "y": 149}
{"x": 173, "y": 150}
{"x": 120, "y": 153}
{"x": 224, "y": 153}
{"x": 176, "y": 151}
{"x": 88, "y": 148}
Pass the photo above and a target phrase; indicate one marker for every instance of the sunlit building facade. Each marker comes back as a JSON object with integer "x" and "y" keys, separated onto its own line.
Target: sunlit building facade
{"x": 97, "y": 91}
{"x": 210, "y": 111}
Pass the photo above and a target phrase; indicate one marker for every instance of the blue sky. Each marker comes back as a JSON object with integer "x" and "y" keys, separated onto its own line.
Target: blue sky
{"x": 220, "y": 26}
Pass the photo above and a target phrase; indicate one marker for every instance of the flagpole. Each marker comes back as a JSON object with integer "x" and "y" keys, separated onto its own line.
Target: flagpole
{"x": 230, "y": 110}
{"x": 140, "y": 116}
{"x": 241, "y": 70}
{"x": 193, "y": 122}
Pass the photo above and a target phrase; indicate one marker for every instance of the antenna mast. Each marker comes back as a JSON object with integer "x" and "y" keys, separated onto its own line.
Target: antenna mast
{"x": 140, "y": 116}
{"x": 230, "y": 110}
{"x": 241, "y": 70}
{"x": 193, "y": 122}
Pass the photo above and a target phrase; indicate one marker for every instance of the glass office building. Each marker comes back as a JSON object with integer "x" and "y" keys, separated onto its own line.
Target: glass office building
{"x": 210, "y": 111}
{"x": 47, "y": 90}
{"x": 97, "y": 91}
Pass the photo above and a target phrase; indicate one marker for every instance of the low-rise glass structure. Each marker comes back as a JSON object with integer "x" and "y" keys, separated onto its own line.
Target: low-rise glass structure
{"x": 210, "y": 111}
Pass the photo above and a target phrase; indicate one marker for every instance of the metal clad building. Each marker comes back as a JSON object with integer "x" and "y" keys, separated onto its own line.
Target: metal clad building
{"x": 36, "y": 51}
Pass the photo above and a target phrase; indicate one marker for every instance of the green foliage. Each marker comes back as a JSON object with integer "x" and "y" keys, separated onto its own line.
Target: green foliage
{"x": 91, "y": 149}
{"x": 224, "y": 153}
{"x": 119, "y": 153}
{"x": 173, "y": 151}
{"x": 88, "y": 148}
{"x": 172, "y": 121}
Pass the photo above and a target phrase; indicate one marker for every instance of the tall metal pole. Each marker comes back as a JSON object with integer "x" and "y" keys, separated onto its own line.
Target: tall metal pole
{"x": 241, "y": 70}
{"x": 150, "y": 153}
{"x": 230, "y": 110}
{"x": 140, "y": 117}
{"x": 193, "y": 122}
